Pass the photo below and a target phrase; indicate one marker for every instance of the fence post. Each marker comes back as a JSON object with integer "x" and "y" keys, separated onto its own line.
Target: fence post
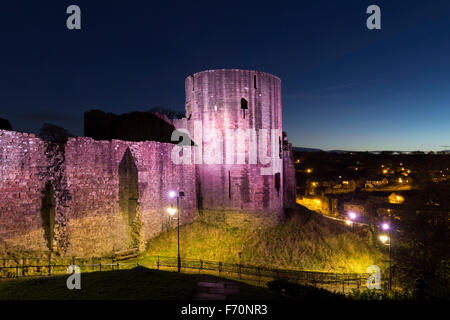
{"x": 240, "y": 271}
{"x": 49, "y": 264}
{"x": 23, "y": 267}
{"x": 157, "y": 263}
{"x": 201, "y": 266}
{"x": 118, "y": 266}
{"x": 220, "y": 268}
{"x": 100, "y": 264}
{"x": 17, "y": 270}
{"x": 112, "y": 264}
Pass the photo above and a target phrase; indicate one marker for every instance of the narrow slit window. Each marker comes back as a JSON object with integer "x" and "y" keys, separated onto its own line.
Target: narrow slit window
{"x": 188, "y": 111}
{"x": 244, "y": 106}
{"x": 192, "y": 83}
{"x": 254, "y": 82}
{"x": 277, "y": 181}
{"x": 229, "y": 184}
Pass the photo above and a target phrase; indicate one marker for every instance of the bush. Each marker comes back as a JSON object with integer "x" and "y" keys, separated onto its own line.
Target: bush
{"x": 367, "y": 294}
{"x": 299, "y": 291}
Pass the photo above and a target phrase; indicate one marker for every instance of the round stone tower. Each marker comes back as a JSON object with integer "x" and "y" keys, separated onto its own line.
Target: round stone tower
{"x": 234, "y": 117}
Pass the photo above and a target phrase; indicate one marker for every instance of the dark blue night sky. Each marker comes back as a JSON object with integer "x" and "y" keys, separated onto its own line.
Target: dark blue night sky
{"x": 344, "y": 86}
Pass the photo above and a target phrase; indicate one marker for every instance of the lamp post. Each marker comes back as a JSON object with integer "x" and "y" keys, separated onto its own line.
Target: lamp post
{"x": 351, "y": 219}
{"x": 172, "y": 211}
{"x": 388, "y": 239}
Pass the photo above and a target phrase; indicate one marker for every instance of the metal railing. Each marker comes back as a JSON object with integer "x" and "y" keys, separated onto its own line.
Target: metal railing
{"x": 27, "y": 267}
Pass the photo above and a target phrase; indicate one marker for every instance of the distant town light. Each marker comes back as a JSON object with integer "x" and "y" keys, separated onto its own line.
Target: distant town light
{"x": 308, "y": 170}
{"x": 385, "y": 226}
{"x": 352, "y": 215}
{"x": 348, "y": 222}
{"x": 172, "y": 194}
{"x": 400, "y": 180}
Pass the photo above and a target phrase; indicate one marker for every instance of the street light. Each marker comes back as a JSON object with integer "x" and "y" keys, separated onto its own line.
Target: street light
{"x": 172, "y": 211}
{"x": 352, "y": 215}
{"x": 386, "y": 239}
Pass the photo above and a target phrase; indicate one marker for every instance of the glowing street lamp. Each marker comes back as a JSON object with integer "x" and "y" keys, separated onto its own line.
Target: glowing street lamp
{"x": 348, "y": 222}
{"x": 384, "y": 238}
{"x": 387, "y": 239}
{"x": 172, "y": 211}
{"x": 352, "y": 215}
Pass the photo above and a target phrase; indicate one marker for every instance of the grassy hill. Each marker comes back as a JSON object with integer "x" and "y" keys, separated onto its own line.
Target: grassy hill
{"x": 305, "y": 241}
{"x": 133, "y": 284}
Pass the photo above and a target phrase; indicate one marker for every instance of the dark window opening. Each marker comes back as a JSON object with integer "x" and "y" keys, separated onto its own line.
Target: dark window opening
{"x": 244, "y": 106}
{"x": 254, "y": 82}
{"x": 192, "y": 83}
{"x": 277, "y": 181}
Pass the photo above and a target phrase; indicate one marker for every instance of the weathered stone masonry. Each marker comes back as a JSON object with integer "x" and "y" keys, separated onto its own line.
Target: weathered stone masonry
{"x": 87, "y": 181}
{"x": 91, "y": 198}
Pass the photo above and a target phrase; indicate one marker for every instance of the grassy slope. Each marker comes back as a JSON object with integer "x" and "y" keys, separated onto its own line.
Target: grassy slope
{"x": 136, "y": 284}
{"x": 306, "y": 241}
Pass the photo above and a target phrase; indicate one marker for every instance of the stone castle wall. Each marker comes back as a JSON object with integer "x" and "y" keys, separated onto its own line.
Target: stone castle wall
{"x": 23, "y": 166}
{"x": 87, "y": 178}
{"x": 89, "y": 197}
{"x": 231, "y": 99}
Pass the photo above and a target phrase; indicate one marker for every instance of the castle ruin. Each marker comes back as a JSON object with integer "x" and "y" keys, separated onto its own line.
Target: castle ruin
{"x": 90, "y": 197}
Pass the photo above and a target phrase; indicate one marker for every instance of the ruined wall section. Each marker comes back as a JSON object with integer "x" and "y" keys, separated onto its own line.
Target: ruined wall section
{"x": 93, "y": 173}
{"x": 66, "y": 198}
{"x": 23, "y": 168}
{"x": 290, "y": 182}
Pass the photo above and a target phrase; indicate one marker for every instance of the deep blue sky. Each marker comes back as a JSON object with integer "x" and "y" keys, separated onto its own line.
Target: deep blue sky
{"x": 344, "y": 86}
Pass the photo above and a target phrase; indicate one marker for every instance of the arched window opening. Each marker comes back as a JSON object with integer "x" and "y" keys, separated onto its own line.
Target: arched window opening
{"x": 244, "y": 106}
{"x": 129, "y": 197}
{"x": 48, "y": 215}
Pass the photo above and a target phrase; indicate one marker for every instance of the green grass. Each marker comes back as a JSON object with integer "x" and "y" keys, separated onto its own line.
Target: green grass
{"x": 136, "y": 284}
{"x": 306, "y": 241}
